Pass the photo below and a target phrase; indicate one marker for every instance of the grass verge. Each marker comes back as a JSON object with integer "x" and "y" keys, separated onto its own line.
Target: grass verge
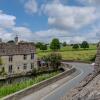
{"x": 9, "y": 89}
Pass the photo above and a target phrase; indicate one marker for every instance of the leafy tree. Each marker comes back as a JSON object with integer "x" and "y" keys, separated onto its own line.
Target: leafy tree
{"x": 53, "y": 60}
{"x": 64, "y": 44}
{"x": 75, "y": 46}
{"x": 84, "y": 45}
{"x": 55, "y": 44}
{"x": 71, "y": 44}
{"x": 11, "y": 41}
{"x": 43, "y": 47}
{"x": 38, "y": 44}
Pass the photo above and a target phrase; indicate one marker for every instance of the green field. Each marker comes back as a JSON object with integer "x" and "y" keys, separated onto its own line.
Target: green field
{"x": 70, "y": 54}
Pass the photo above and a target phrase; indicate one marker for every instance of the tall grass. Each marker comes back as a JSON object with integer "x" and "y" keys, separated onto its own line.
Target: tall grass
{"x": 9, "y": 89}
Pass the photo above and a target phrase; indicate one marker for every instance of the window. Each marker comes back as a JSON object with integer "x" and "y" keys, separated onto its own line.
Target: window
{"x": 10, "y": 68}
{"x": 10, "y": 58}
{"x": 25, "y": 57}
{"x": 25, "y": 66}
{"x": 32, "y": 65}
{"x": 18, "y": 68}
{"x": 32, "y": 55}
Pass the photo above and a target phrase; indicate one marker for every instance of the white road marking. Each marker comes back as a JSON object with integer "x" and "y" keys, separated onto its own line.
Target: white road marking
{"x": 58, "y": 89}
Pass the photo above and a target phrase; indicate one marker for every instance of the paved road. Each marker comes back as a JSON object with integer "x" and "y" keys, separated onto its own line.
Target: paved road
{"x": 57, "y": 90}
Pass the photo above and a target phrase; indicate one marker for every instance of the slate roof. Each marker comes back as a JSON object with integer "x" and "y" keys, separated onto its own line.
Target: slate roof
{"x": 7, "y": 49}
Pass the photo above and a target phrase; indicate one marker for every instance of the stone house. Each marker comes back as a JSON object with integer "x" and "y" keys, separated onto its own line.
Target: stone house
{"x": 18, "y": 57}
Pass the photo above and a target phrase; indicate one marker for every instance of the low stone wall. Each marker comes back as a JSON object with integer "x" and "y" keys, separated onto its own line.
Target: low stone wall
{"x": 80, "y": 92}
{"x": 18, "y": 95}
{"x": 77, "y": 61}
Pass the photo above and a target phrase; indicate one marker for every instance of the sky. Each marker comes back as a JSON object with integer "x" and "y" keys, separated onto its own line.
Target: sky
{"x": 72, "y": 21}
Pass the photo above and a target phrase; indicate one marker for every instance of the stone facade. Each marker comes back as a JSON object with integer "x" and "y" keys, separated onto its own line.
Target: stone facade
{"x": 18, "y": 58}
{"x": 97, "y": 61}
{"x": 18, "y": 64}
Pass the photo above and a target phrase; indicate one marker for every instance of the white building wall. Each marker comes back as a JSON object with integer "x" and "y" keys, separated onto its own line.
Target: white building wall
{"x": 18, "y": 61}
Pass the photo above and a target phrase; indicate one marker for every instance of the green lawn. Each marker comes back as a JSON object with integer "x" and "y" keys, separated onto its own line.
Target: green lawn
{"x": 70, "y": 54}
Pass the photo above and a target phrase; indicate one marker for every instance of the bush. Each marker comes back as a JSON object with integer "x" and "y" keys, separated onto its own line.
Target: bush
{"x": 43, "y": 47}
{"x": 34, "y": 71}
{"x": 64, "y": 44}
{"x": 53, "y": 60}
{"x": 84, "y": 45}
{"x": 2, "y": 72}
{"x": 75, "y": 46}
{"x": 93, "y": 58}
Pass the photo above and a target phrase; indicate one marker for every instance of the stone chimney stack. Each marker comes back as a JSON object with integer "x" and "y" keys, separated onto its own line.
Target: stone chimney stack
{"x": 16, "y": 39}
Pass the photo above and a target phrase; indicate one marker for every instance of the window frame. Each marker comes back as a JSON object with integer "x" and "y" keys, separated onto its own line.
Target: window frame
{"x": 10, "y": 58}
{"x": 25, "y": 57}
{"x": 24, "y": 66}
{"x": 32, "y": 55}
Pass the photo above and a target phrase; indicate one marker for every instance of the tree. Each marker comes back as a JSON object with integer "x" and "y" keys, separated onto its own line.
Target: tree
{"x": 55, "y": 44}
{"x": 84, "y": 45}
{"x": 75, "y": 46}
{"x": 43, "y": 47}
{"x": 11, "y": 41}
{"x": 64, "y": 44}
{"x": 38, "y": 44}
{"x": 53, "y": 60}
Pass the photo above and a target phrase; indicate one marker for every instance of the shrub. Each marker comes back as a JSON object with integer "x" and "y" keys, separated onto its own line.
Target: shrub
{"x": 84, "y": 45}
{"x": 75, "y": 46}
{"x": 93, "y": 58}
{"x": 53, "y": 60}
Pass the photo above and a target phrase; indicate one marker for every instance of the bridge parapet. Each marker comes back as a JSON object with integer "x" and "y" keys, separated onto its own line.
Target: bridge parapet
{"x": 97, "y": 61}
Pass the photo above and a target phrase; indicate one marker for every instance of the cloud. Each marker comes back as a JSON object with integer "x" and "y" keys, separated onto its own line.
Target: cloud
{"x": 72, "y": 24}
{"x": 5, "y": 35}
{"x": 24, "y": 32}
{"x": 63, "y": 35}
{"x": 8, "y": 28}
{"x": 31, "y": 6}
{"x": 68, "y": 17}
{"x": 90, "y": 2}
{"x": 6, "y": 21}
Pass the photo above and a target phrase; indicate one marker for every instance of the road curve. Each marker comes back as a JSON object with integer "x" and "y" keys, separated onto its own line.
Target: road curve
{"x": 57, "y": 90}
{"x": 58, "y": 93}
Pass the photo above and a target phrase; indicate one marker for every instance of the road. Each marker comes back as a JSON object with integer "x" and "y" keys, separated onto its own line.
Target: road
{"x": 58, "y": 89}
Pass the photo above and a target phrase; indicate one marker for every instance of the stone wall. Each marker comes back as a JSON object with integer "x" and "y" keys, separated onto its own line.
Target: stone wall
{"x": 97, "y": 61}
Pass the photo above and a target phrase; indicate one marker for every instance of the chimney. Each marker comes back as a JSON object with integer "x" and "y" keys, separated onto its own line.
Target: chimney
{"x": 16, "y": 39}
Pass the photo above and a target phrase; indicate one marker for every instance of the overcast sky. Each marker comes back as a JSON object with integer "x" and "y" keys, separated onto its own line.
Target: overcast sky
{"x": 42, "y": 20}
